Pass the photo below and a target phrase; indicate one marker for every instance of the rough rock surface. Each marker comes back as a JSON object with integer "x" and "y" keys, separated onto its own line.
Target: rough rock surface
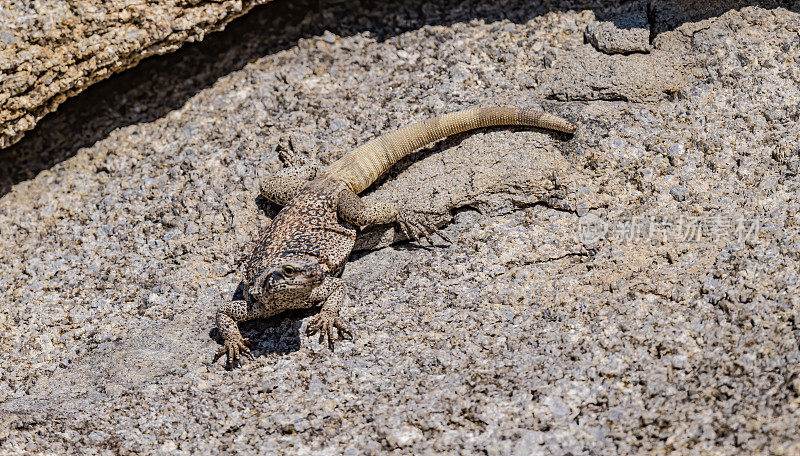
{"x": 52, "y": 49}
{"x": 631, "y": 35}
{"x": 641, "y": 297}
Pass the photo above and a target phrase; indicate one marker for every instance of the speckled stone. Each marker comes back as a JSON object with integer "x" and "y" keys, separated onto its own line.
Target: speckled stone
{"x": 521, "y": 337}
{"x": 51, "y": 49}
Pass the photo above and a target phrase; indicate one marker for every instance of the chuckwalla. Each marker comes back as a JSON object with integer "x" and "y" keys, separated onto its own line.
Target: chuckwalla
{"x": 298, "y": 261}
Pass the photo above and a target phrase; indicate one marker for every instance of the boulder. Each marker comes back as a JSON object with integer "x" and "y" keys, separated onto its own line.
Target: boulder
{"x": 51, "y": 50}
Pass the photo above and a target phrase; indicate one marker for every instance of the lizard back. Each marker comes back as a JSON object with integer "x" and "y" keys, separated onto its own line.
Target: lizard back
{"x": 309, "y": 224}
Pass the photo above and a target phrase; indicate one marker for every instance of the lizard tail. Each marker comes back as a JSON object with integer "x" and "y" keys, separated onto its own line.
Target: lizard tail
{"x": 360, "y": 167}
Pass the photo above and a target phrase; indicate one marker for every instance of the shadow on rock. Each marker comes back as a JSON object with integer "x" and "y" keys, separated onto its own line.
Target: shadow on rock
{"x": 164, "y": 83}
{"x": 278, "y": 334}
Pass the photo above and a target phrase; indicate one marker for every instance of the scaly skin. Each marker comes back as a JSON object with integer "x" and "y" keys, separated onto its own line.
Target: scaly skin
{"x": 299, "y": 259}
{"x": 362, "y": 166}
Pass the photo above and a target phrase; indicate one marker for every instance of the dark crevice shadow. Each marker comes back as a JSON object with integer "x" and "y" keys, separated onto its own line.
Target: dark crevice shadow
{"x": 150, "y": 90}
{"x": 161, "y": 84}
{"x": 279, "y": 334}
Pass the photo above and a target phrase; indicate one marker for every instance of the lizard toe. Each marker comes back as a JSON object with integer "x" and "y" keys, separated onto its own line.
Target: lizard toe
{"x": 420, "y": 224}
{"x": 406, "y": 230}
{"x": 344, "y": 331}
{"x": 245, "y": 349}
{"x": 234, "y": 351}
{"x": 313, "y": 327}
{"x": 329, "y": 332}
{"x": 222, "y": 350}
{"x": 442, "y": 235}
{"x": 431, "y": 229}
{"x": 326, "y": 324}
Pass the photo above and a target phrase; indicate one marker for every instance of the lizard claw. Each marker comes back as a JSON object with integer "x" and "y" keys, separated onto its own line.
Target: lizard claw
{"x": 418, "y": 224}
{"x": 324, "y": 323}
{"x": 234, "y": 349}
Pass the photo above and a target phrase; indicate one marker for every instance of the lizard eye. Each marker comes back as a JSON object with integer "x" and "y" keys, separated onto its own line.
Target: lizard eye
{"x": 290, "y": 270}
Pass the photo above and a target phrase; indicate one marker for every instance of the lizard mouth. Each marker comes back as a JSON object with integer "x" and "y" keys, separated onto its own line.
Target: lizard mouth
{"x": 287, "y": 277}
{"x": 280, "y": 286}
{"x": 264, "y": 294}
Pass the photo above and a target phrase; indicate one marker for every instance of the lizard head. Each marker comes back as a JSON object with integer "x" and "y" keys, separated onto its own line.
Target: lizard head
{"x": 289, "y": 276}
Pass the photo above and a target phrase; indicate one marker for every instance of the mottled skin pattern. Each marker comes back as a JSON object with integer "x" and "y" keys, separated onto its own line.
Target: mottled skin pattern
{"x": 299, "y": 259}
{"x": 290, "y": 271}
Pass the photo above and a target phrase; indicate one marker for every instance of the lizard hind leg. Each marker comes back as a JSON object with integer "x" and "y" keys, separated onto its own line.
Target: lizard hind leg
{"x": 365, "y": 212}
{"x": 283, "y": 186}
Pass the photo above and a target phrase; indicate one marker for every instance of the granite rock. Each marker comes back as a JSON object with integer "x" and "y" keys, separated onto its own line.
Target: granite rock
{"x": 51, "y": 50}
{"x": 632, "y": 289}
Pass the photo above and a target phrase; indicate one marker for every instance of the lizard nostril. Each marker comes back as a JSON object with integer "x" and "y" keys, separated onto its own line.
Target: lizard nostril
{"x": 253, "y": 292}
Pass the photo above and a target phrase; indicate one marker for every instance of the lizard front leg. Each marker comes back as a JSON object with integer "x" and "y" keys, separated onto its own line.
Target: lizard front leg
{"x": 283, "y": 186}
{"x": 331, "y": 291}
{"x": 234, "y": 344}
{"x": 415, "y": 224}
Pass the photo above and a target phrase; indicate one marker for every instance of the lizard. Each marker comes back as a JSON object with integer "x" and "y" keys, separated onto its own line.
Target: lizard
{"x": 298, "y": 260}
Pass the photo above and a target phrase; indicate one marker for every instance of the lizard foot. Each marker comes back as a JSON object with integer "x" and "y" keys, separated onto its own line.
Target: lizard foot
{"x": 418, "y": 224}
{"x": 234, "y": 348}
{"x": 324, "y": 323}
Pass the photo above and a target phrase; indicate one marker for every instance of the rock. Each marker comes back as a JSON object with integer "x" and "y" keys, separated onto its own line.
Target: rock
{"x": 50, "y": 51}
{"x": 627, "y": 34}
{"x": 632, "y": 289}
{"x": 584, "y": 73}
